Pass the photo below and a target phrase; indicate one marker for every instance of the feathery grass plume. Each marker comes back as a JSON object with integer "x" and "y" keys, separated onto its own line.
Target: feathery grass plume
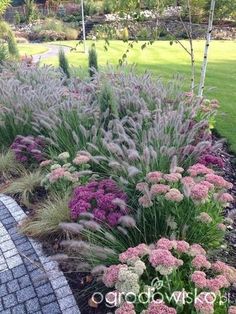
{"x": 59, "y": 257}
{"x": 98, "y": 270}
{"x": 25, "y": 186}
{"x": 75, "y": 245}
{"x": 47, "y": 217}
{"x": 9, "y": 166}
{"x": 63, "y": 62}
{"x": 92, "y": 61}
{"x": 71, "y": 227}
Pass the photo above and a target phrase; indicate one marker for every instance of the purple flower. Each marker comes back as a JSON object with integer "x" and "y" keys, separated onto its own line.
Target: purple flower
{"x": 28, "y": 149}
{"x": 98, "y": 198}
{"x": 210, "y": 159}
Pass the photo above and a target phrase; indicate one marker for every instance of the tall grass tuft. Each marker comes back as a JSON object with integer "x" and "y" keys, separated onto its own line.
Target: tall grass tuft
{"x": 25, "y": 186}
{"x": 47, "y": 218}
{"x": 9, "y": 166}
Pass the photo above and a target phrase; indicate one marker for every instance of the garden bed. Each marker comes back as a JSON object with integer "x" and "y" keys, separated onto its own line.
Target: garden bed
{"x": 124, "y": 184}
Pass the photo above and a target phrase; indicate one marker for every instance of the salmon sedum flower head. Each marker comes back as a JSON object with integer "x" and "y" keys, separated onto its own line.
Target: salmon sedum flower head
{"x": 81, "y": 159}
{"x": 174, "y": 195}
{"x": 154, "y": 177}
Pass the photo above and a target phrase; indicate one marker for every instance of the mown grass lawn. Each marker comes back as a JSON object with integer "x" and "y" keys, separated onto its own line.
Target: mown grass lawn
{"x": 164, "y": 60}
{"x": 31, "y": 49}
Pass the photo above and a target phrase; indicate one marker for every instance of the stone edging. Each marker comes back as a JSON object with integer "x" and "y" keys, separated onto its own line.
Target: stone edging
{"x": 13, "y": 252}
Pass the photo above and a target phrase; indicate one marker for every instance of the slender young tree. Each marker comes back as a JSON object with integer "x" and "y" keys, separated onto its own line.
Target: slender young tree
{"x": 208, "y": 39}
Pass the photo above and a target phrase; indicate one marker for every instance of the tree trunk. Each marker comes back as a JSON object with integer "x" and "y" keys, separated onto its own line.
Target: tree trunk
{"x": 208, "y": 39}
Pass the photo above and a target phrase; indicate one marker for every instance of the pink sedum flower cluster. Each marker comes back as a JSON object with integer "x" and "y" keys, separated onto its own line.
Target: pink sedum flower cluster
{"x": 200, "y": 185}
{"x": 164, "y": 259}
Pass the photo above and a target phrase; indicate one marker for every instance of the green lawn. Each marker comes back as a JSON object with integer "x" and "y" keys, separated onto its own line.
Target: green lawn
{"x": 165, "y": 60}
{"x": 31, "y": 49}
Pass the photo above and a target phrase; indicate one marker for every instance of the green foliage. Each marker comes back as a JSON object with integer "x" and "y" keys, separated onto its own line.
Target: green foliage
{"x": 10, "y": 127}
{"x": 93, "y": 61}
{"x": 5, "y": 30}
{"x": 109, "y": 6}
{"x": 47, "y": 218}
{"x": 223, "y": 9}
{"x": 54, "y": 29}
{"x": 12, "y": 46}
{"x": 90, "y": 7}
{"x": 3, "y": 53}
{"x": 17, "y": 18}
{"x": 31, "y": 11}
{"x": 9, "y": 166}
{"x": 63, "y": 63}
{"x": 108, "y": 104}
{"x": 4, "y": 4}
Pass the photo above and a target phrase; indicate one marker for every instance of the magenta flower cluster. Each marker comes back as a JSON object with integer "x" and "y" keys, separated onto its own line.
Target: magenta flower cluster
{"x": 213, "y": 160}
{"x": 103, "y": 199}
{"x": 28, "y": 149}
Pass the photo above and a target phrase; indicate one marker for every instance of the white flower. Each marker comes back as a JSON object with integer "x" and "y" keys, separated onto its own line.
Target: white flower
{"x": 64, "y": 156}
{"x": 55, "y": 166}
{"x": 139, "y": 267}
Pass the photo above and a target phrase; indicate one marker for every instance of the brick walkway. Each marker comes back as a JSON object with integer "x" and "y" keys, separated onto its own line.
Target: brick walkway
{"x": 29, "y": 281}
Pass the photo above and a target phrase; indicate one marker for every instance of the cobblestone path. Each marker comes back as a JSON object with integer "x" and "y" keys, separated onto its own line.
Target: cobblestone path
{"x": 29, "y": 281}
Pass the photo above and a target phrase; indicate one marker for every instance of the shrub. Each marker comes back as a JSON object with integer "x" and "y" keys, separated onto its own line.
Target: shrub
{"x": 3, "y": 53}
{"x": 167, "y": 274}
{"x": 53, "y": 30}
{"x": 108, "y": 6}
{"x": 12, "y": 46}
{"x": 28, "y": 149}
{"x": 63, "y": 63}
{"x": 93, "y": 61}
{"x": 31, "y": 11}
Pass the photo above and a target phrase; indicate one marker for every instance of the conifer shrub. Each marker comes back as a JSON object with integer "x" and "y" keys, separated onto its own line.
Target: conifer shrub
{"x": 63, "y": 63}
{"x": 93, "y": 61}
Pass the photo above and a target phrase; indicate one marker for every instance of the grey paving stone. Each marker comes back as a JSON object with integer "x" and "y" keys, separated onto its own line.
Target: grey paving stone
{"x": 67, "y": 302}
{"x": 47, "y": 299}
{"x": 6, "y": 312}
{"x": 24, "y": 281}
{"x": 63, "y": 292}
{"x": 3, "y": 290}
{"x": 19, "y": 309}
{"x": 24, "y": 247}
{"x": 32, "y": 305}
{"x": 14, "y": 261}
{"x": 9, "y": 300}
{"x": 13, "y": 286}
{"x": 25, "y": 294}
{"x": 51, "y": 308}
{"x": 44, "y": 290}
{"x": 19, "y": 271}
{"x": 8, "y": 221}
{"x": 5, "y": 276}
{"x": 72, "y": 310}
